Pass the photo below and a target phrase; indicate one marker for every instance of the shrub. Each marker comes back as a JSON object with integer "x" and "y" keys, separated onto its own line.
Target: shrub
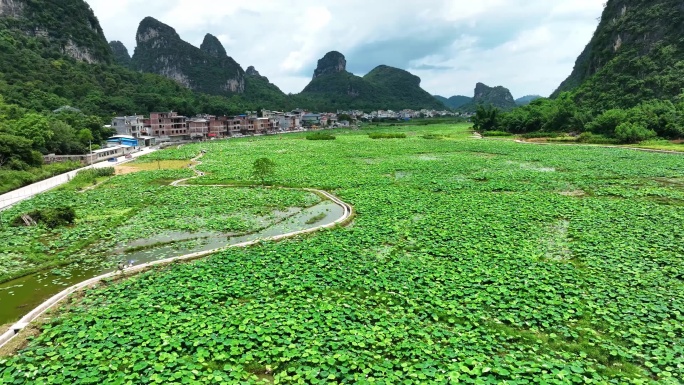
{"x": 496, "y": 133}
{"x": 563, "y": 139}
{"x": 540, "y": 134}
{"x": 433, "y": 136}
{"x": 588, "y": 137}
{"x": 50, "y": 217}
{"x": 386, "y": 135}
{"x": 89, "y": 177}
{"x": 633, "y": 133}
{"x": 17, "y": 165}
{"x": 320, "y": 136}
{"x": 607, "y": 122}
{"x": 263, "y": 168}
{"x": 91, "y": 174}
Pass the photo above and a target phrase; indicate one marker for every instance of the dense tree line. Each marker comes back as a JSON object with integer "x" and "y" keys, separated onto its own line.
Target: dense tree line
{"x": 647, "y": 120}
{"x": 25, "y": 136}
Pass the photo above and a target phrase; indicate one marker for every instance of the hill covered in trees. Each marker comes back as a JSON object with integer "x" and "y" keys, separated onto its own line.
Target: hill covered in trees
{"x": 497, "y": 97}
{"x": 208, "y": 69}
{"x": 525, "y": 100}
{"x": 626, "y": 86}
{"x": 454, "y": 101}
{"x": 38, "y": 71}
{"x": 120, "y": 52}
{"x": 636, "y": 54}
{"x": 333, "y": 87}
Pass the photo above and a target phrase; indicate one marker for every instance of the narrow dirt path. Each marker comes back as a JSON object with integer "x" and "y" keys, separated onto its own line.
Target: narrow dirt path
{"x": 348, "y": 213}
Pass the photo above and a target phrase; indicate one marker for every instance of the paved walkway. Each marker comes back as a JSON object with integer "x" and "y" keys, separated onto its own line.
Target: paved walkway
{"x": 18, "y": 195}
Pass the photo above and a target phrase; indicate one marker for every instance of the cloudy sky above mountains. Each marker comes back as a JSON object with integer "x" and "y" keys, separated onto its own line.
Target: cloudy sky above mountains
{"x": 528, "y": 46}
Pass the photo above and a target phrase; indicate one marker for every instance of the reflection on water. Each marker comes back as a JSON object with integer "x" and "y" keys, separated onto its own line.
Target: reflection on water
{"x": 20, "y": 296}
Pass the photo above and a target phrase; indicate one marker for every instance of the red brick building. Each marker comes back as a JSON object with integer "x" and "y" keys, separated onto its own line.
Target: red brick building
{"x": 168, "y": 124}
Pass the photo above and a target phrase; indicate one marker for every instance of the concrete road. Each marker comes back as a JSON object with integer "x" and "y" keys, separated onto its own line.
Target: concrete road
{"x": 18, "y": 195}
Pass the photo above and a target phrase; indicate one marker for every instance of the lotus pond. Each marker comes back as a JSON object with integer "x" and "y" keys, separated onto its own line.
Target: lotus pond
{"x": 139, "y": 219}
{"x": 469, "y": 261}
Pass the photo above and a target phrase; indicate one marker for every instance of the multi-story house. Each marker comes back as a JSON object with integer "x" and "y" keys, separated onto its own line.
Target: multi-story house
{"x": 235, "y": 125}
{"x": 310, "y": 120}
{"x": 288, "y": 122}
{"x": 218, "y": 127}
{"x": 129, "y": 125}
{"x": 248, "y": 126}
{"x": 168, "y": 125}
{"x": 198, "y": 127}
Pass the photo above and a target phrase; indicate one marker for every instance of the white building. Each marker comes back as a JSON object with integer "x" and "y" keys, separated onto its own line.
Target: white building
{"x": 129, "y": 125}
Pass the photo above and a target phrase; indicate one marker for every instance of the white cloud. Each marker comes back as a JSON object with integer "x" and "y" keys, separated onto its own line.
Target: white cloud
{"x": 528, "y": 46}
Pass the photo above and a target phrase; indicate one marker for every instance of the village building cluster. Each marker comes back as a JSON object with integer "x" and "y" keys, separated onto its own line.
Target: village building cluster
{"x": 136, "y": 132}
{"x": 169, "y": 126}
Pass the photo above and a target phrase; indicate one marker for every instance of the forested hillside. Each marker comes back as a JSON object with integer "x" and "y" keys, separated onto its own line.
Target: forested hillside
{"x": 333, "y": 87}
{"x": 54, "y": 54}
{"x": 402, "y": 88}
{"x": 70, "y": 26}
{"x": 120, "y": 52}
{"x": 497, "y": 97}
{"x": 626, "y": 86}
{"x": 636, "y": 54}
{"x": 454, "y": 101}
{"x": 160, "y": 50}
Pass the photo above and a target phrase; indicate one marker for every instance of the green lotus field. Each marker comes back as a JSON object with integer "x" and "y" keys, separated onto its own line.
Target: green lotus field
{"x": 469, "y": 261}
{"x": 130, "y": 207}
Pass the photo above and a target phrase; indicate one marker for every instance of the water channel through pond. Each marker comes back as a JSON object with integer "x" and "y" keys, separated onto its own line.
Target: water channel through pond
{"x": 20, "y": 296}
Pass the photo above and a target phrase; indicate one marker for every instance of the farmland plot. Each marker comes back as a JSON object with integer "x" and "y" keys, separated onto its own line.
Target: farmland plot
{"x": 490, "y": 262}
{"x": 133, "y": 207}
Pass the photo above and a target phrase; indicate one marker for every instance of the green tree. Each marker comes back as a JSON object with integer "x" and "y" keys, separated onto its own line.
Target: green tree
{"x": 63, "y": 140}
{"x": 486, "y": 118}
{"x": 85, "y": 136}
{"x": 633, "y": 133}
{"x": 262, "y": 169}
{"x": 35, "y": 128}
{"x": 561, "y": 115}
{"x": 607, "y": 122}
{"x": 16, "y": 152}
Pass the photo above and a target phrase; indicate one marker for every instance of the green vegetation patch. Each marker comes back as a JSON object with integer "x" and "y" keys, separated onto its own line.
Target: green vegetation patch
{"x": 387, "y": 135}
{"x": 496, "y": 133}
{"x": 50, "y": 217}
{"x": 320, "y": 136}
{"x": 482, "y": 267}
{"x": 127, "y": 208}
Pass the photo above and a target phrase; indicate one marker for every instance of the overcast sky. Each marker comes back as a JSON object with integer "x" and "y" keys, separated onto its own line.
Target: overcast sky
{"x": 528, "y": 46}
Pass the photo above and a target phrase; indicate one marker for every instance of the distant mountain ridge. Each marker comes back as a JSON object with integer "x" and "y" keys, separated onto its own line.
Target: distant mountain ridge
{"x": 527, "y": 99}
{"x": 499, "y": 97}
{"x": 41, "y": 70}
{"x": 383, "y": 87}
{"x": 120, "y": 52}
{"x": 209, "y": 69}
{"x": 160, "y": 50}
{"x": 454, "y": 101}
